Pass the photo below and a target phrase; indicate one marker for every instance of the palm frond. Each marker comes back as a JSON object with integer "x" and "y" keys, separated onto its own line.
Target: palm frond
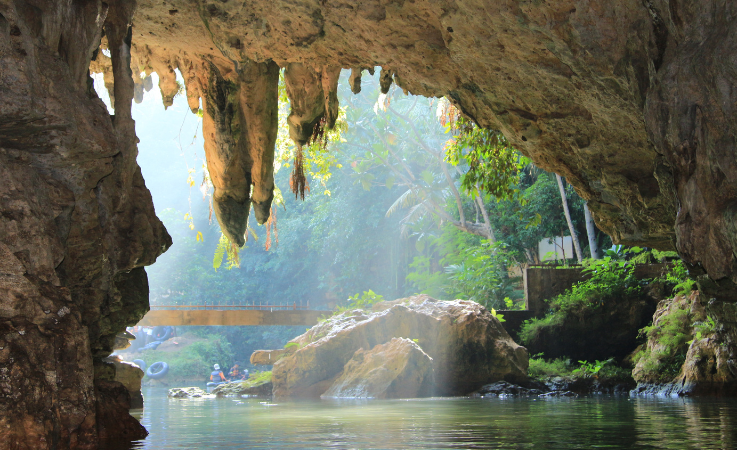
{"x": 402, "y": 201}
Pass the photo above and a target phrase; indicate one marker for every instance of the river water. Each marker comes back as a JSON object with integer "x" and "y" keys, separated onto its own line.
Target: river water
{"x": 443, "y": 423}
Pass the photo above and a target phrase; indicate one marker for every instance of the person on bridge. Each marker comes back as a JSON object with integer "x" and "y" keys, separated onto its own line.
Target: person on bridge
{"x": 217, "y": 375}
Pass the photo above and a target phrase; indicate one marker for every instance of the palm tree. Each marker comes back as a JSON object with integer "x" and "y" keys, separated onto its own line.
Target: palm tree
{"x": 566, "y": 211}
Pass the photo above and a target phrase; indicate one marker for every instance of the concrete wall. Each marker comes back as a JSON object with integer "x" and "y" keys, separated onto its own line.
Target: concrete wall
{"x": 544, "y": 283}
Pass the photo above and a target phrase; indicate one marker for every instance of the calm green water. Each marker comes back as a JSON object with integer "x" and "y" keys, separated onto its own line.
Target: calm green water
{"x": 596, "y": 422}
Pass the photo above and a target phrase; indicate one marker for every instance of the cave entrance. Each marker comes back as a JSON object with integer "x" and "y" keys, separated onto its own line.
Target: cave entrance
{"x": 384, "y": 215}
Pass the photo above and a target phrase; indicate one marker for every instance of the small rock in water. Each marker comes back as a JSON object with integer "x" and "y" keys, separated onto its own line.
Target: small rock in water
{"x": 503, "y": 389}
{"x": 558, "y": 394}
{"x": 189, "y": 392}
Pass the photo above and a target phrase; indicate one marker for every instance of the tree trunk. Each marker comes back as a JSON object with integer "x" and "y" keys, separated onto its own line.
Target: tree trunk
{"x": 591, "y": 232}
{"x": 480, "y": 202}
{"x": 574, "y": 236}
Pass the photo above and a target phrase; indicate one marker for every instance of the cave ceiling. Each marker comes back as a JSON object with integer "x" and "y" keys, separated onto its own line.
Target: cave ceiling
{"x": 565, "y": 81}
{"x": 631, "y": 100}
{"x": 611, "y": 95}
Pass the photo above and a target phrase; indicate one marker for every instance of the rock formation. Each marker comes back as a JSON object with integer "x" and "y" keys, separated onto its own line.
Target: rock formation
{"x": 240, "y": 126}
{"x": 691, "y": 350}
{"x": 587, "y": 89}
{"x": 258, "y": 387}
{"x": 77, "y": 225}
{"x": 631, "y": 101}
{"x": 468, "y": 347}
{"x": 130, "y": 376}
{"x": 189, "y": 392}
{"x": 396, "y": 369}
{"x": 269, "y": 357}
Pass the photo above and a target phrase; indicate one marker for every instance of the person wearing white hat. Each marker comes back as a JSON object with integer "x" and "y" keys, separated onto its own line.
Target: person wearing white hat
{"x": 217, "y": 375}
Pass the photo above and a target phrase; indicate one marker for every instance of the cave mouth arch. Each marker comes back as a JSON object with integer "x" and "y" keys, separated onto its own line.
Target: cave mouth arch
{"x": 173, "y": 163}
{"x": 628, "y": 101}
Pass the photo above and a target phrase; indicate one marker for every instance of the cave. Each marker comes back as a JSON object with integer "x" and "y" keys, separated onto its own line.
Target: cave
{"x": 631, "y": 101}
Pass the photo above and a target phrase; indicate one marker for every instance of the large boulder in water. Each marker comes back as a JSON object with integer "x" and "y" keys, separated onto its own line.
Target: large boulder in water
{"x": 468, "y": 345}
{"x": 397, "y": 369}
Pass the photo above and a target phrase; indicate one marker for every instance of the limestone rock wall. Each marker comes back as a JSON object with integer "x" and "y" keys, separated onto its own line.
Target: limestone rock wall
{"x": 77, "y": 225}
{"x": 692, "y": 349}
{"x": 690, "y": 118}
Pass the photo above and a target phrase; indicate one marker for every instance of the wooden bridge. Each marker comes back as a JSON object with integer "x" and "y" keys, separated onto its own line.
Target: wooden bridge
{"x": 234, "y": 315}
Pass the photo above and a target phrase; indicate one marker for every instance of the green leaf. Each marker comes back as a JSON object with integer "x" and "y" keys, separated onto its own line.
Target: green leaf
{"x": 420, "y": 245}
{"x": 427, "y": 176}
{"x": 390, "y": 182}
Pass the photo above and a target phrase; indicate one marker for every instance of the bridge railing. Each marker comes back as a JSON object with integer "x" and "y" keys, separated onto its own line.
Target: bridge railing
{"x": 293, "y": 306}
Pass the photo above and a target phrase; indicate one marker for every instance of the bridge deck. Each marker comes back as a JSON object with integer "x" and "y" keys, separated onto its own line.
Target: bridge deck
{"x": 182, "y": 317}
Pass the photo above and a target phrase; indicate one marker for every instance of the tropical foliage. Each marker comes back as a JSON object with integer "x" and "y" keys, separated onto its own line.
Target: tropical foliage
{"x": 406, "y": 203}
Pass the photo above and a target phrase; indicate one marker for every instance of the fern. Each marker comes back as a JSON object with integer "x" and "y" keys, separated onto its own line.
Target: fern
{"x": 222, "y": 247}
{"x": 225, "y": 247}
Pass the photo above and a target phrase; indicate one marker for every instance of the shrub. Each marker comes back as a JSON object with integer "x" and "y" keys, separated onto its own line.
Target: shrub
{"x": 531, "y": 328}
{"x": 257, "y": 378}
{"x": 603, "y": 370}
{"x": 541, "y": 368}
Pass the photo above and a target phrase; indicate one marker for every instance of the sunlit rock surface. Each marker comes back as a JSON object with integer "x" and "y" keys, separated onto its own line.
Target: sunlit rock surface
{"x": 129, "y": 375}
{"x": 468, "y": 346}
{"x": 397, "y": 369}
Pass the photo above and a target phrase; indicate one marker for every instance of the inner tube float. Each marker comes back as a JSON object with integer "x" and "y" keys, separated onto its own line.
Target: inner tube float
{"x": 157, "y": 370}
{"x": 162, "y": 333}
{"x": 140, "y": 363}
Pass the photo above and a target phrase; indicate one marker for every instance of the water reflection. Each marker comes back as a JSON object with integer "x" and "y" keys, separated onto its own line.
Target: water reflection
{"x": 602, "y": 422}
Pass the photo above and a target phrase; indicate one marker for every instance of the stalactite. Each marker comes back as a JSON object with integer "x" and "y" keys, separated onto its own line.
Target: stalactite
{"x": 355, "y": 80}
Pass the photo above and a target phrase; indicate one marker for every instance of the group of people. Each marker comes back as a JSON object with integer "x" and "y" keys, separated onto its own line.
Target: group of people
{"x": 235, "y": 374}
